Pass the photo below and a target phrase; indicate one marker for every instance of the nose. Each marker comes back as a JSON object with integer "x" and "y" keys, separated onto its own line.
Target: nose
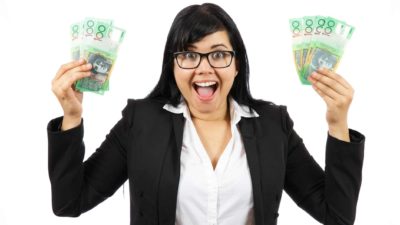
{"x": 204, "y": 66}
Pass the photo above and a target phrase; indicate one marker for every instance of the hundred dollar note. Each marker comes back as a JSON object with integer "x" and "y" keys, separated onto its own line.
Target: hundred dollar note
{"x": 99, "y": 47}
{"x": 318, "y": 41}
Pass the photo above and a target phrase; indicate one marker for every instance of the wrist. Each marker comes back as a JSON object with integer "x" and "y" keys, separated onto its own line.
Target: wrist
{"x": 70, "y": 122}
{"x": 339, "y": 131}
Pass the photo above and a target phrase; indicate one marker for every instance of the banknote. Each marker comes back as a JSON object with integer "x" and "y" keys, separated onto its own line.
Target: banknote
{"x": 102, "y": 64}
{"x": 76, "y": 38}
{"x": 328, "y": 48}
{"x": 298, "y": 43}
{"x": 321, "y": 41}
{"x": 98, "y": 44}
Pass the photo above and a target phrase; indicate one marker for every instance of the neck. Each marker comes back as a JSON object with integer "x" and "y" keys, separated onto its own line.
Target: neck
{"x": 221, "y": 114}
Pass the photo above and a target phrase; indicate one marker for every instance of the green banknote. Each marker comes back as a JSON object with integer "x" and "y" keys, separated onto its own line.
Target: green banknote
{"x": 76, "y": 38}
{"x": 98, "y": 44}
{"x": 296, "y": 26}
{"x": 321, "y": 41}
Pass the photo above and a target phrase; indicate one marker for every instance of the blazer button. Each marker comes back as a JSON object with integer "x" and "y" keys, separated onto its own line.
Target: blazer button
{"x": 141, "y": 194}
{"x": 141, "y": 214}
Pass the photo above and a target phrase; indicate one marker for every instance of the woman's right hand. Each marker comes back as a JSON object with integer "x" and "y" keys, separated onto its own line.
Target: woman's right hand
{"x": 70, "y": 99}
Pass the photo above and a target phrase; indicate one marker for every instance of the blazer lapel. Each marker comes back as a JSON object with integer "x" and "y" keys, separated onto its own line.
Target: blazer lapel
{"x": 169, "y": 179}
{"x": 178, "y": 123}
{"x": 247, "y": 130}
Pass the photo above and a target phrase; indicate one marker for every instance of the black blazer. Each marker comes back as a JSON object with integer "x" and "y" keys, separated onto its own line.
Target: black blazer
{"x": 145, "y": 147}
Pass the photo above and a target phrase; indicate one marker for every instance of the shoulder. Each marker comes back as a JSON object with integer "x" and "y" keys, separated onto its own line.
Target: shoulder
{"x": 145, "y": 111}
{"x": 146, "y": 107}
{"x": 268, "y": 110}
{"x": 273, "y": 114}
{"x": 145, "y": 104}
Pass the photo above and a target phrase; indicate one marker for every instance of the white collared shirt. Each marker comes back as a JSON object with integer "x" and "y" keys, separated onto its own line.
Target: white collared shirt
{"x": 223, "y": 196}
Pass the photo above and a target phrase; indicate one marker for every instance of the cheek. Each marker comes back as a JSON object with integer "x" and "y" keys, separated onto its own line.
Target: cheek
{"x": 227, "y": 86}
{"x": 228, "y": 80}
{"x": 182, "y": 79}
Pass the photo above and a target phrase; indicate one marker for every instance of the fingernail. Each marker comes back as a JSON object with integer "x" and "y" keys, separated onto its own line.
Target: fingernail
{"x": 89, "y": 65}
{"x": 81, "y": 60}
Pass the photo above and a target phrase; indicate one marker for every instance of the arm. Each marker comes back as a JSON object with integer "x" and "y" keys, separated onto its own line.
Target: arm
{"x": 78, "y": 186}
{"x": 337, "y": 93}
{"x": 330, "y": 196}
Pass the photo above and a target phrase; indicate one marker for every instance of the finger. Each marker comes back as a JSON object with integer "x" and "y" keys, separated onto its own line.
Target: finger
{"x": 328, "y": 81}
{"x": 335, "y": 76}
{"x": 64, "y": 68}
{"x": 66, "y": 82}
{"x": 328, "y": 100}
{"x": 77, "y": 69}
{"x": 77, "y": 76}
{"x": 77, "y": 91}
{"x": 82, "y": 68}
{"x": 325, "y": 89}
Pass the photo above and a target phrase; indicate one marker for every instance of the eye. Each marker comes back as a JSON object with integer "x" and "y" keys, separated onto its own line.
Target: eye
{"x": 190, "y": 55}
{"x": 219, "y": 55}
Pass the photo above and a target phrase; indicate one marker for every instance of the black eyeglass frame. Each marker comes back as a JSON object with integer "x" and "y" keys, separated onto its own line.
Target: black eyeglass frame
{"x": 232, "y": 53}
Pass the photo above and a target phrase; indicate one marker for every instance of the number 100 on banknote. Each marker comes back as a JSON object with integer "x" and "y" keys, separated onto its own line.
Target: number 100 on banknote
{"x": 318, "y": 41}
{"x": 97, "y": 41}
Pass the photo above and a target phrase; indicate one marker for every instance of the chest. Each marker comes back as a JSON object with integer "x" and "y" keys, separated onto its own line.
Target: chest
{"x": 212, "y": 137}
{"x": 210, "y": 193}
{"x": 155, "y": 166}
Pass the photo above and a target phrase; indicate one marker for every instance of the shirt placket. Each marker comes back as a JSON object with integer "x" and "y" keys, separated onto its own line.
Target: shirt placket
{"x": 212, "y": 209}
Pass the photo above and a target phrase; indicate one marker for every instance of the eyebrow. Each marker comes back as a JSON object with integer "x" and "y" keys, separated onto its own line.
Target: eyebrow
{"x": 218, "y": 45}
{"x": 212, "y": 46}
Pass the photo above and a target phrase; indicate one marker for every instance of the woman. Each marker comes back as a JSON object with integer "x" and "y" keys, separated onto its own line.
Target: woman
{"x": 199, "y": 149}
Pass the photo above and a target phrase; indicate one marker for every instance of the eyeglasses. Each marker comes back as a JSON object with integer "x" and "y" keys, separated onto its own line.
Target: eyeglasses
{"x": 216, "y": 59}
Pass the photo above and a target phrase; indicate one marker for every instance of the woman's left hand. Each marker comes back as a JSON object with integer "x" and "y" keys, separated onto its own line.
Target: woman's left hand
{"x": 337, "y": 94}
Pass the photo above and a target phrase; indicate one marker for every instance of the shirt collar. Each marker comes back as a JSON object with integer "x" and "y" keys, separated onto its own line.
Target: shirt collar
{"x": 237, "y": 110}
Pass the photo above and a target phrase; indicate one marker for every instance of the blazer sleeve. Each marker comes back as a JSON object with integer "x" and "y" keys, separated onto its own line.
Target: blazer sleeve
{"x": 78, "y": 186}
{"x": 330, "y": 195}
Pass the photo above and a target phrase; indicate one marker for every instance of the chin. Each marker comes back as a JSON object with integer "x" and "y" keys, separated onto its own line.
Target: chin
{"x": 205, "y": 107}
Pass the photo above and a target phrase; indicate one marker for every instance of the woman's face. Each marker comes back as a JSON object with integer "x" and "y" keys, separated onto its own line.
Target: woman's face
{"x": 205, "y": 88}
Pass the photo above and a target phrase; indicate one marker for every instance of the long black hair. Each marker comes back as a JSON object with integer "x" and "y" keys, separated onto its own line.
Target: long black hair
{"x": 190, "y": 25}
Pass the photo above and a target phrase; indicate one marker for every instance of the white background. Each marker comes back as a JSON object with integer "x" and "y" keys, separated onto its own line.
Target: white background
{"x": 34, "y": 43}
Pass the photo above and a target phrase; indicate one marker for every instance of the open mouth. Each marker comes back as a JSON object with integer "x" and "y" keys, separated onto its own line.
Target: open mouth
{"x": 205, "y": 90}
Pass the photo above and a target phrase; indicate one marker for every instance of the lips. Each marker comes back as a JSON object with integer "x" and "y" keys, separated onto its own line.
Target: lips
{"x": 205, "y": 90}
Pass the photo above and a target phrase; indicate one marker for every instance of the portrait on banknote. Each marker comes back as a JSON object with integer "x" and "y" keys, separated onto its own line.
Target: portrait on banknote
{"x": 101, "y": 66}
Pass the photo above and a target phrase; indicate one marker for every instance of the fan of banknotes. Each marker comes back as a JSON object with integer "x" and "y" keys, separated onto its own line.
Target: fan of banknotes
{"x": 318, "y": 41}
{"x": 97, "y": 41}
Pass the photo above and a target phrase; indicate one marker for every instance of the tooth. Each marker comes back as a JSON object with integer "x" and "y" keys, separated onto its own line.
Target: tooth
{"x": 206, "y": 84}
